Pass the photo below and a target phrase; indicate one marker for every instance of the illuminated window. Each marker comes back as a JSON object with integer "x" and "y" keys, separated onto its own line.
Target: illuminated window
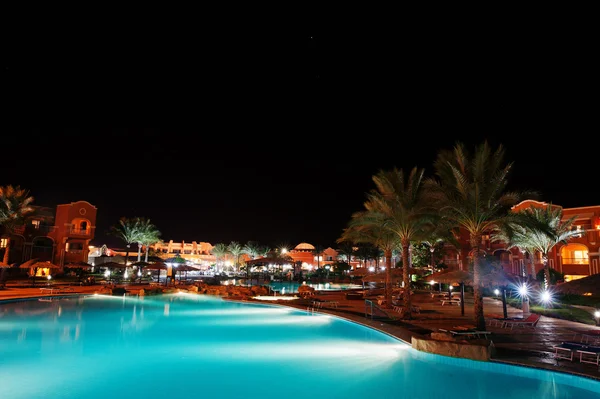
{"x": 575, "y": 254}
{"x": 35, "y": 223}
{"x": 3, "y": 242}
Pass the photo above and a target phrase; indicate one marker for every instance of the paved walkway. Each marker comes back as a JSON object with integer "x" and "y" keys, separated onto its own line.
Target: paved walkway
{"x": 524, "y": 346}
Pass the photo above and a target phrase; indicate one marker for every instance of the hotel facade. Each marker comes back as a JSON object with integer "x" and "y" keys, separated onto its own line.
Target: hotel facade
{"x": 59, "y": 236}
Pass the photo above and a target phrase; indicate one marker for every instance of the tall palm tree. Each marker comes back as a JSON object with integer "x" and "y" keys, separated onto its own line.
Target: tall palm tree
{"x": 220, "y": 251}
{"x": 150, "y": 237}
{"x": 368, "y": 227}
{"x": 129, "y": 231}
{"x": 472, "y": 195}
{"x": 15, "y": 207}
{"x": 401, "y": 201}
{"x": 236, "y": 250}
{"x": 146, "y": 230}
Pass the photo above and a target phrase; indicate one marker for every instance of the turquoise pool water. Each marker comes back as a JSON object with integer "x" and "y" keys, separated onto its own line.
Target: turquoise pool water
{"x": 197, "y": 346}
{"x": 291, "y": 287}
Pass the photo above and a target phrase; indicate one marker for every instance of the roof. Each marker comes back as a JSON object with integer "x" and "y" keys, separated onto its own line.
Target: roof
{"x": 304, "y": 246}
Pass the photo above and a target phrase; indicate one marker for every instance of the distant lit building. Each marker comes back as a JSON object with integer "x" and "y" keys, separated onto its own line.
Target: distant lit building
{"x": 60, "y": 235}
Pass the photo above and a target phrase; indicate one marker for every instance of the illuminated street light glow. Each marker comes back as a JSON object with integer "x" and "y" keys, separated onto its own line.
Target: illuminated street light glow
{"x": 546, "y": 296}
{"x": 523, "y": 290}
{"x": 496, "y": 292}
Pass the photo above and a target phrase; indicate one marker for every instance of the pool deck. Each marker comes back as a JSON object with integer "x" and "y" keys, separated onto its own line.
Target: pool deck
{"x": 530, "y": 347}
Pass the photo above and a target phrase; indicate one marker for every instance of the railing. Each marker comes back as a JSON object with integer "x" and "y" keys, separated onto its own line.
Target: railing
{"x": 576, "y": 261}
{"x": 369, "y": 307}
{"x": 80, "y": 232}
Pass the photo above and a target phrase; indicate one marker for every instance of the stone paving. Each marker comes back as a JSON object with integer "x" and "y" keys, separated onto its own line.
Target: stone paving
{"x": 523, "y": 346}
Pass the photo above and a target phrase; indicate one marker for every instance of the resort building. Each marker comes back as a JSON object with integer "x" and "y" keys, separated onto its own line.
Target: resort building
{"x": 578, "y": 258}
{"x": 59, "y": 236}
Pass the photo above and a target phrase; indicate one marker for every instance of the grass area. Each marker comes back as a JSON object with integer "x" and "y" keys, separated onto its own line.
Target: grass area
{"x": 579, "y": 300}
{"x": 564, "y": 311}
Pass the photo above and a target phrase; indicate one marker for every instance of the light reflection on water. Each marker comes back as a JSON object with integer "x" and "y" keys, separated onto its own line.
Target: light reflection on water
{"x": 177, "y": 346}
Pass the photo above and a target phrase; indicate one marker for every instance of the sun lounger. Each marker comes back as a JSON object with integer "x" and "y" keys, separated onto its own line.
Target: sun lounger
{"x": 530, "y": 321}
{"x": 589, "y": 354}
{"x": 566, "y": 350}
{"x": 467, "y": 333}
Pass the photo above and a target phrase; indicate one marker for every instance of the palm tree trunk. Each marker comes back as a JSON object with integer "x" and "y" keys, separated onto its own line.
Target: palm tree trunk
{"x": 7, "y": 250}
{"x": 139, "y": 252}
{"x": 406, "y": 278}
{"x": 546, "y": 271}
{"x": 388, "y": 277}
{"x": 146, "y": 258}
{"x": 479, "y": 319}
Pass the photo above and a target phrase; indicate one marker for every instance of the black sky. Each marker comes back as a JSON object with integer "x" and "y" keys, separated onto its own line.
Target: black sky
{"x": 275, "y": 134}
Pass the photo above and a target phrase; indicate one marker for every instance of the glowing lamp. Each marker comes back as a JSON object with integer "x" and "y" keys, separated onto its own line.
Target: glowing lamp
{"x": 523, "y": 290}
{"x": 546, "y": 297}
{"x": 496, "y": 292}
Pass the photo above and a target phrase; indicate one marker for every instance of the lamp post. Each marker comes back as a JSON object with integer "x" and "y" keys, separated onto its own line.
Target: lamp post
{"x": 597, "y": 316}
{"x": 525, "y": 299}
{"x": 327, "y": 267}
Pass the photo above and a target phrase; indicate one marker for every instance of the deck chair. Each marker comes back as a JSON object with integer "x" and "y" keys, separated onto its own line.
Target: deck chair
{"x": 566, "y": 350}
{"x": 530, "y": 321}
{"x": 589, "y": 354}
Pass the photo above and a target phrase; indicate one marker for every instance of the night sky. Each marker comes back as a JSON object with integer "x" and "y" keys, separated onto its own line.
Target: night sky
{"x": 276, "y": 140}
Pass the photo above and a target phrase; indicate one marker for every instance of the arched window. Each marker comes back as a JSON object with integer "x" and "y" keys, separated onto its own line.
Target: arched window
{"x": 575, "y": 254}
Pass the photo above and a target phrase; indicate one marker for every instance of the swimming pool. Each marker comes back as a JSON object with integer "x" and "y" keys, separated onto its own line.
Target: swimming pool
{"x": 181, "y": 346}
{"x": 292, "y": 286}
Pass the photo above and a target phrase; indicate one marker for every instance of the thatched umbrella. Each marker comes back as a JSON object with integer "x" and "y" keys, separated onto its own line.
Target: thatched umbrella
{"x": 174, "y": 263}
{"x": 80, "y": 265}
{"x": 36, "y": 264}
{"x": 158, "y": 266}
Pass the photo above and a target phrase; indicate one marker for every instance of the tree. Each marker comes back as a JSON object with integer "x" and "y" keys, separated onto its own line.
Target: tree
{"x": 220, "y": 251}
{"x": 345, "y": 251}
{"x": 318, "y": 252}
{"x": 402, "y": 202}
{"x": 471, "y": 194}
{"x": 148, "y": 233}
{"x": 544, "y": 229}
{"x": 151, "y": 237}
{"x": 129, "y": 231}
{"x": 15, "y": 208}
{"x": 367, "y": 227}
{"x": 236, "y": 250}
{"x": 253, "y": 250}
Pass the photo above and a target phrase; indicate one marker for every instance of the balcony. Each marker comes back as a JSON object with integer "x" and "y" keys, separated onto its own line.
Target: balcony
{"x": 80, "y": 232}
{"x": 575, "y": 261}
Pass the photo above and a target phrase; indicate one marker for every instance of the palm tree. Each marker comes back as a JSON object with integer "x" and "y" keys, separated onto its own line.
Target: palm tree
{"x": 557, "y": 231}
{"x": 368, "y": 227}
{"x": 129, "y": 231}
{"x": 151, "y": 236}
{"x": 472, "y": 195}
{"x": 236, "y": 250}
{"x": 146, "y": 231}
{"x": 15, "y": 207}
{"x": 346, "y": 250}
{"x": 219, "y": 251}
{"x": 253, "y": 250}
{"x": 401, "y": 201}
{"x": 317, "y": 252}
